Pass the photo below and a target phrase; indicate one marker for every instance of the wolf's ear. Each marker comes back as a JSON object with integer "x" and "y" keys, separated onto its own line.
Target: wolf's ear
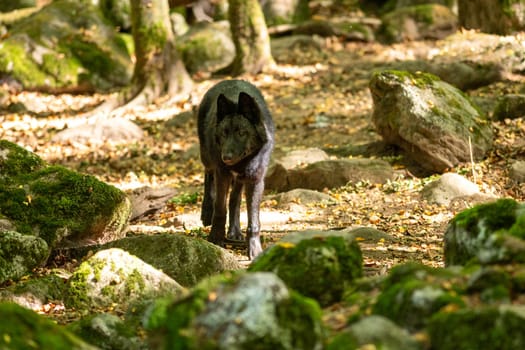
{"x": 249, "y": 108}
{"x": 224, "y": 107}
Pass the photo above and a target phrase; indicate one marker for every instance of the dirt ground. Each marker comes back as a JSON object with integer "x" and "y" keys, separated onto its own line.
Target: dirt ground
{"x": 318, "y": 99}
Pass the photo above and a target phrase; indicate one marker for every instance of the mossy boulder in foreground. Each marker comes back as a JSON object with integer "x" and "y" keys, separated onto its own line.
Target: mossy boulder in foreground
{"x": 63, "y": 207}
{"x": 489, "y": 328}
{"x": 235, "y": 312}
{"x": 315, "y": 263}
{"x": 21, "y": 328}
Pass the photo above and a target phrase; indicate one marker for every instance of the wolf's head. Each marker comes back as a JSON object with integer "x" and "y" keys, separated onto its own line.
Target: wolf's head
{"x": 240, "y": 129}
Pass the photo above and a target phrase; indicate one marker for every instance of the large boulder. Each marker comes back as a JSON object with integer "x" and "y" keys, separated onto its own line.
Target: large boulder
{"x": 113, "y": 276}
{"x": 62, "y": 207}
{"x": 243, "y": 311}
{"x": 332, "y": 261}
{"x": 491, "y": 233}
{"x": 434, "y": 122}
{"x": 67, "y": 45}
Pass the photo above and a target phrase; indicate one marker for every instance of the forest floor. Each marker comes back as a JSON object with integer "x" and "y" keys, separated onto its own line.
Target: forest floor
{"x": 318, "y": 99}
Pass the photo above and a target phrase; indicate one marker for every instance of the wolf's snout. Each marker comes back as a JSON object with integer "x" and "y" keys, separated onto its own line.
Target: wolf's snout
{"x": 227, "y": 159}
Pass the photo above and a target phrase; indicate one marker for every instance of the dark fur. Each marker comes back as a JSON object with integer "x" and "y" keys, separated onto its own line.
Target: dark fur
{"x": 236, "y": 135}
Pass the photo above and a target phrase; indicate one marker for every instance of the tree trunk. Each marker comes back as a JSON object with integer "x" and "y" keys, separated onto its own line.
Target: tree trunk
{"x": 491, "y": 16}
{"x": 158, "y": 68}
{"x": 250, "y": 36}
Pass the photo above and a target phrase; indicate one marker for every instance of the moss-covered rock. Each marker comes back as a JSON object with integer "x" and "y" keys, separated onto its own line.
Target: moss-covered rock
{"x": 185, "y": 259}
{"x": 90, "y": 54}
{"x": 234, "y": 312}
{"x": 34, "y": 293}
{"x": 427, "y": 21}
{"x": 375, "y": 331}
{"x": 107, "y": 331}
{"x": 285, "y": 12}
{"x": 113, "y": 276}
{"x": 509, "y": 106}
{"x": 435, "y": 123}
{"x": 488, "y": 328}
{"x": 489, "y": 233}
{"x": 206, "y": 47}
{"x": 317, "y": 264}
{"x": 55, "y": 203}
{"x": 20, "y": 254}
{"x": 412, "y": 293}
{"x": 24, "y": 329}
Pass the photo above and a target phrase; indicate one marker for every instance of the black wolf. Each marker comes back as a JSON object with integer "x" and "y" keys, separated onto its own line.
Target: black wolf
{"x": 236, "y": 135}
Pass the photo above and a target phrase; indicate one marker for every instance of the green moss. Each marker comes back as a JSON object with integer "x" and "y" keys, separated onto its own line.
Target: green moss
{"x": 494, "y": 216}
{"x": 154, "y": 37}
{"x": 77, "y": 287}
{"x": 14, "y": 61}
{"x": 65, "y": 71}
{"x": 332, "y": 262}
{"x": 15, "y": 160}
{"x": 413, "y": 292}
{"x": 24, "y": 329}
{"x": 488, "y": 328}
{"x": 135, "y": 282}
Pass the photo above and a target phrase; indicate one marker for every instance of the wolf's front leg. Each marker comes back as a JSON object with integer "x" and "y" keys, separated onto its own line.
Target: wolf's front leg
{"x": 254, "y": 193}
{"x": 234, "y": 207}
{"x": 208, "y": 199}
{"x": 222, "y": 180}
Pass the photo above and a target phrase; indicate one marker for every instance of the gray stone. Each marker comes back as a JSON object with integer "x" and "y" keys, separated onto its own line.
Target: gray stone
{"x": 432, "y": 121}
{"x": 448, "y": 187}
{"x": 517, "y": 171}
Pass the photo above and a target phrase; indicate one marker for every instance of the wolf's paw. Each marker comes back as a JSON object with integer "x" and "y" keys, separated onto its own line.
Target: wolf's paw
{"x": 216, "y": 238}
{"x": 235, "y": 234}
{"x": 254, "y": 247}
